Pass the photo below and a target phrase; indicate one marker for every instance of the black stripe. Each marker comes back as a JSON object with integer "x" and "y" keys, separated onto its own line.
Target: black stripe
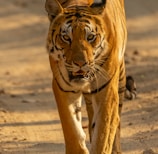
{"x": 98, "y": 90}
{"x": 101, "y": 48}
{"x": 85, "y": 20}
{"x": 53, "y": 31}
{"x": 69, "y": 16}
{"x": 52, "y": 50}
{"x": 69, "y": 21}
{"x": 120, "y": 105}
{"x": 122, "y": 72}
{"x": 63, "y": 77}
{"x": 78, "y": 15}
{"x": 63, "y": 89}
{"x": 121, "y": 78}
{"x": 121, "y": 90}
{"x": 64, "y": 2}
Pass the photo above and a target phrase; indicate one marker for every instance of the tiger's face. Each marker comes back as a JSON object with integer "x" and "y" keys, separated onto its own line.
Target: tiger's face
{"x": 77, "y": 42}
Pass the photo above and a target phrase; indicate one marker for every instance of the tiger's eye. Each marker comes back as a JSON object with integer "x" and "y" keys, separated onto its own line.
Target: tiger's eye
{"x": 91, "y": 37}
{"x": 66, "y": 37}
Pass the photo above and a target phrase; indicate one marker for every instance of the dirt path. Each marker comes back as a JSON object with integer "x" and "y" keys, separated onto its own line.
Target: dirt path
{"x": 29, "y": 121}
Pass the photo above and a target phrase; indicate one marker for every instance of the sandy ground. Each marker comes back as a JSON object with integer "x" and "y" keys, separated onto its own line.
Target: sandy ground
{"x": 29, "y": 121}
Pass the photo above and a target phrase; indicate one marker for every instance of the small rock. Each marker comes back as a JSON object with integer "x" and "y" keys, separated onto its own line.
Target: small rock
{"x": 130, "y": 123}
{"x": 135, "y": 52}
{"x": 149, "y": 151}
{"x": 29, "y": 101}
{"x": 15, "y": 138}
{"x": 24, "y": 139}
{"x": 13, "y": 95}
{"x": 7, "y": 73}
{"x": 3, "y": 110}
{"x": 2, "y": 91}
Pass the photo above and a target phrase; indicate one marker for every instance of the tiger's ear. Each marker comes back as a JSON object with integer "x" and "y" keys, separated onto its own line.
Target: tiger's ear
{"x": 53, "y": 7}
{"x": 98, "y": 6}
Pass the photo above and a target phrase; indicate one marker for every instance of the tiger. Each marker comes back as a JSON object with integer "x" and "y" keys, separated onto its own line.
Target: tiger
{"x": 86, "y": 43}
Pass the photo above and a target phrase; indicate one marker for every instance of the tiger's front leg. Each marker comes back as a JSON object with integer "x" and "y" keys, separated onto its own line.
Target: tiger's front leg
{"x": 69, "y": 107}
{"x": 105, "y": 118}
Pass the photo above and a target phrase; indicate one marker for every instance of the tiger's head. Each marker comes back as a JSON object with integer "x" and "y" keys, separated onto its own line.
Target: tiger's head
{"x": 78, "y": 40}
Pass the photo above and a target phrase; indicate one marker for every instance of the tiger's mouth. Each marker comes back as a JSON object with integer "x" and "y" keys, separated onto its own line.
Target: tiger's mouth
{"x": 79, "y": 75}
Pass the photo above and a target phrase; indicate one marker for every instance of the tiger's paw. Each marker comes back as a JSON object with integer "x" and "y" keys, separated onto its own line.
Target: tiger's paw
{"x": 130, "y": 92}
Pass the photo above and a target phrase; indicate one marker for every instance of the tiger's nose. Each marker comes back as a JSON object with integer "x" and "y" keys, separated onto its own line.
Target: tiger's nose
{"x": 80, "y": 63}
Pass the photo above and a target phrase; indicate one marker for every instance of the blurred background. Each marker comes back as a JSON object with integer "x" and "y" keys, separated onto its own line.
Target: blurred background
{"x": 29, "y": 121}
